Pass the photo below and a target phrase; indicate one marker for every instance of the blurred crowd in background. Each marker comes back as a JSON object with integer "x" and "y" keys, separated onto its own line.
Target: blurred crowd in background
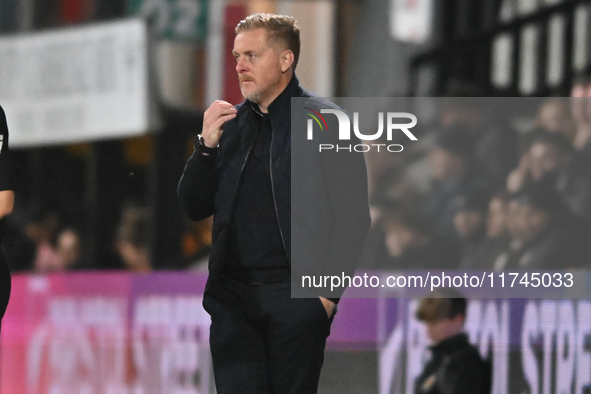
{"x": 481, "y": 193}
{"x": 51, "y": 237}
{"x": 45, "y": 239}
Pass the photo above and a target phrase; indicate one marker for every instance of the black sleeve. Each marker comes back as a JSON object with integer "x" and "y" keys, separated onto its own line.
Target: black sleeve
{"x": 198, "y": 184}
{"x": 464, "y": 374}
{"x": 5, "y": 165}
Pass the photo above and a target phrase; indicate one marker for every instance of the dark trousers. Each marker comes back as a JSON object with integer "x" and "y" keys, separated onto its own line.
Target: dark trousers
{"x": 4, "y": 283}
{"x": 262, "y": 340}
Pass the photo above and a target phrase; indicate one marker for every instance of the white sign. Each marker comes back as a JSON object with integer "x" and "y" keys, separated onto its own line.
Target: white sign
{"x": 411, "y": 20}
{"x": 76, "y": 84}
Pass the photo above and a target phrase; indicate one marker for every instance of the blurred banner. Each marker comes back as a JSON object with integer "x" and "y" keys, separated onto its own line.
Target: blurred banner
{"x": 77, "y": 84}
{"x": 133, "y": 333}
{"x": 534, "y": 346}
{"x": 106, "y": 333}
{"x": 173, "y": 19}
{"x": 125, "y": 333}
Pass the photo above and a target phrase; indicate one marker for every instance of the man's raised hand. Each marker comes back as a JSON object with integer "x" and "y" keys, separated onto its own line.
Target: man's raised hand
{"x": 213, "y": 119}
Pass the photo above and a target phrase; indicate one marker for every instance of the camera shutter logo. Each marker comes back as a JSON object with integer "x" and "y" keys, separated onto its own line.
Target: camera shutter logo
{"x": 315, "y": 117}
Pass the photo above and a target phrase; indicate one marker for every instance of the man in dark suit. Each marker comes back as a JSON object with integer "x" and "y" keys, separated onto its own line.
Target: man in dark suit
{"x": 263, "y": 340}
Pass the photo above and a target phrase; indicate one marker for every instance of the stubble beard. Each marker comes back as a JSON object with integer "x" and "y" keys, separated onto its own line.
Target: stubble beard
{"x": 255, "y": 96}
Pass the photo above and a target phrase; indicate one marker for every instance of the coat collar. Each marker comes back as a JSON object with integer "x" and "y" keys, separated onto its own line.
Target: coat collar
{"x": 450, "y": 344}
{"x": 281, "y": 102}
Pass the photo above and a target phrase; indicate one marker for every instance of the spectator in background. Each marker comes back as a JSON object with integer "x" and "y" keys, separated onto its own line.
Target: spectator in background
{"x": 383, "y": 171}
{"x": 544, "y": 235}
{"x": 410, "y": 244}
{"x": 69, "y": 250}
{"x": 455, "y": 365}
{"x": 575, "y": 186}
{"x": 401, "y": 177}
{"x": 494, "y": 141}
{"x": 549, "y": 155}
{"x": 579, "y": 104}
{"x": 455, "y": 175}
{"x": 42, "y": 230}
{"x": 470, "y": 225}
{"x": 497, "y": 237}
{"x": 546, "y": 156}
{"x": 555, "y": 116}
{"x": 375, "y": 254}
{"x": 131, "y": 240}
